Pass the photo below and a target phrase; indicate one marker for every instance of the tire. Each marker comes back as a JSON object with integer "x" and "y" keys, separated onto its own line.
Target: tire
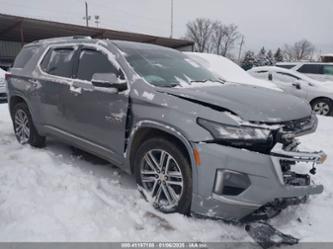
{"x": 24, "y": 128}
{"x": 174, "y": 178}
{"x": 322, "y": 106}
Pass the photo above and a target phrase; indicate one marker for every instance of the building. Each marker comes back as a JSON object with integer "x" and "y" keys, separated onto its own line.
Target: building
{"x": 15, "y": 31}
{"x": 326, "y": 58}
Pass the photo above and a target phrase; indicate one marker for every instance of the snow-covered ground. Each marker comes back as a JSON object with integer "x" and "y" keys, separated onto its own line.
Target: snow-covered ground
{"x": 53, "y": 194}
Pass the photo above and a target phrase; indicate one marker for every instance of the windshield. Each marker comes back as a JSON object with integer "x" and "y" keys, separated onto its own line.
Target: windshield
{"x": 164, "y": 67}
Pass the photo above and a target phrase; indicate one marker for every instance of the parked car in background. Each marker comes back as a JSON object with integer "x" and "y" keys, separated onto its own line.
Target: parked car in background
{"x": 228, "y": 70}
{"x": 195, "y": 144}
{"x": 319, "y": 94}
{"x": 316, "y": 70}
{"x": 3, "y": 94}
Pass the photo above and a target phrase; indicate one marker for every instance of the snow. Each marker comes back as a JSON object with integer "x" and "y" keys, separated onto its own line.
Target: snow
{"x": 53, "y": 194}
{"x": 229, "y": 70}
{"x": 147, "y": 95}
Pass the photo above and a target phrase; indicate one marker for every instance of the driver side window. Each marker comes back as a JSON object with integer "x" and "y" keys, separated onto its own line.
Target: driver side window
{"x": 92, "y": 61}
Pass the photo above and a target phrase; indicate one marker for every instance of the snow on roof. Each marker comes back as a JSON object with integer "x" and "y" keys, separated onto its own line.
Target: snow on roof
{"x": 229, "y": 70}
{"x": 327, "y": 55}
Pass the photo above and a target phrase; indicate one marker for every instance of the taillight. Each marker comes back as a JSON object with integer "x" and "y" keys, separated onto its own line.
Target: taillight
{"x": 8, "y": 75}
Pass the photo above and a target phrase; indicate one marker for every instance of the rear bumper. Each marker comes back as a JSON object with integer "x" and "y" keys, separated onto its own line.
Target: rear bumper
{"x": 266, "y": 180}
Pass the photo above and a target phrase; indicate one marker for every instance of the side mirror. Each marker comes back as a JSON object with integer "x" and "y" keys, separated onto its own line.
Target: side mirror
{"x": 108, "y": 80}
{"x": 297, "y": 85}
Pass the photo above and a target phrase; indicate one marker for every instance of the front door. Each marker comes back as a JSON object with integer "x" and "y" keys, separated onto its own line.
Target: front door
{"x": 97, "y": 115}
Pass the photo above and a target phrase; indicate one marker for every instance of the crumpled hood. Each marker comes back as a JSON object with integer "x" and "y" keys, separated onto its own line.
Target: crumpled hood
{"x": 250, "y": 103}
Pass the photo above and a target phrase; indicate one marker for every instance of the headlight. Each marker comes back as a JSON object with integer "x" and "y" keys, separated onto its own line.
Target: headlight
{"x": 236, "y": 134}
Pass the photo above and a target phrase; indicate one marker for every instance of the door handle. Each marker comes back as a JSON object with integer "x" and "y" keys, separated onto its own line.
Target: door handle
{"x": 75, "y": 89}
{"x": 34, "y": 83}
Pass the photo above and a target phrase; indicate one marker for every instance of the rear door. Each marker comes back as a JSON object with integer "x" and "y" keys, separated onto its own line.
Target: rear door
{"x": 56, "y": 75}
{"x": 97, "y": 115}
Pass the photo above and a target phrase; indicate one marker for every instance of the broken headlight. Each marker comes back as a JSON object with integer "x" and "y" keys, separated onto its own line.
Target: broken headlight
{"x": 259, "y": 139}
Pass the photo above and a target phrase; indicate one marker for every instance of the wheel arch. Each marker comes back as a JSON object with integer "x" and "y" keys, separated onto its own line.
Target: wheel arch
{"x": 321, "y": 97}
{"x": 14, "y": 100}
{"x": 147, "y": 129}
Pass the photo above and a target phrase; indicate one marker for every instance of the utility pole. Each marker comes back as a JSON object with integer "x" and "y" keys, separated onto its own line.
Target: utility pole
{"x": 171, "y": 34}
{"x": 87, "y": 17}
{"x": 240, "y": 49}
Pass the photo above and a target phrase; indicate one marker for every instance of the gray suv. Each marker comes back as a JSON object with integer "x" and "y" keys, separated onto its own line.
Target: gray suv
{"x": 195, "y": 143}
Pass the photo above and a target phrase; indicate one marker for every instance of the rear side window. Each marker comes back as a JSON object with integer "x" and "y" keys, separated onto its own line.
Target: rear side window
{"x": 59, "y": 62}
{"x": 91, "y": 62}
{"x": 311, "y": 69}
{"x": 328, "y": 69}
{"x": 24, "y": 56}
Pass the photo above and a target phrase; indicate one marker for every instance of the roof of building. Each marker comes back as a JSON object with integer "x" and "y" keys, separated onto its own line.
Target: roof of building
{"x": 23, "y": 29}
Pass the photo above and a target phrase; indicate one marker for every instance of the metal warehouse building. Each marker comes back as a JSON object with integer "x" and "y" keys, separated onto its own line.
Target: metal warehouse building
{"x": 15, "y": 31}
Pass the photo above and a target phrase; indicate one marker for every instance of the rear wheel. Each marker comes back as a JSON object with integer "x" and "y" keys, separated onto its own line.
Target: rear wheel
{"x": 24, "y": 128}
{"x": 163, "y": 172}
{"x": 322, "y": 107}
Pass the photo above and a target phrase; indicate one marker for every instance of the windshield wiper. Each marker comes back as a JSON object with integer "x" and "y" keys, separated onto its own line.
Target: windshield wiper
{"x": 171, "y": 85}
{"x": 204, "y": 81}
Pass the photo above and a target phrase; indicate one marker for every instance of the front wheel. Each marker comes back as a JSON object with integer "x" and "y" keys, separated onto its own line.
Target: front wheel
{"x": 322, "y": 107}
{"x": 164, "y": 174}
{"x": 24, "y": 128}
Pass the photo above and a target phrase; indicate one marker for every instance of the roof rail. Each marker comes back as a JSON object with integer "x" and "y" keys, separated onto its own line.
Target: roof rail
{"x": 63, "y": 38}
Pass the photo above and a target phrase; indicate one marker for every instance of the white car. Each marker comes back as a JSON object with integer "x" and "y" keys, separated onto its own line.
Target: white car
{"x": 316, "y": 70}
{"x": 228, "y": 70}
{"x": 3, "y": 94}
{"x": 319, "y": 94}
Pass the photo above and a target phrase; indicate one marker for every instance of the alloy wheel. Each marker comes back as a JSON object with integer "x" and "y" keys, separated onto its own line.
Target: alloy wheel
{"x": 22, "y": 128}
{"x": 321, "y": 108}
{"x": 162, "y": 179}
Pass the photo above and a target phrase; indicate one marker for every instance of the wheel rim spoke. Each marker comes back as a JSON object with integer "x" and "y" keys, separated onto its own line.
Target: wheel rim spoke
{"x": 156, "y": 198}
{"x": 173, "y": 193}
{"x": 150, "y": 160}
{"x": 167, "y": 194}
{"x": 175, "y": 183}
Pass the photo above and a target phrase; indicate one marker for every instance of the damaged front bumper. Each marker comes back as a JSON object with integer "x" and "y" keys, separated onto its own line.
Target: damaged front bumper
{"x": 233, "y": 183}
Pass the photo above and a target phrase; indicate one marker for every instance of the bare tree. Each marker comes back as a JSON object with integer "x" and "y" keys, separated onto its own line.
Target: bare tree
{"x": 301, "y": 50}
{"x": 224, "y": 38}
{"x": 199, "y": 31}
{"x": 231, "y": 36}
{"x": 218, "y": 36}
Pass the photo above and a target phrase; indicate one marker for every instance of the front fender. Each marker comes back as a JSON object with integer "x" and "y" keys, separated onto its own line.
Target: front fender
{"x": 171, "y": 131}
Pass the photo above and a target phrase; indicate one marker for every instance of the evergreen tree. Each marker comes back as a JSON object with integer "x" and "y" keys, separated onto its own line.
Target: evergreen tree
{"x": 278, "y": 56}
{"x": 269, "y": 58}
{"x": 261, "y": 57}
{"x": 249, "y": 60}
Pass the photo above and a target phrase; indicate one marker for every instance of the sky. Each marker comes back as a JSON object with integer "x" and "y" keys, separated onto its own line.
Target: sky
{"x": 269, "y": 23}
